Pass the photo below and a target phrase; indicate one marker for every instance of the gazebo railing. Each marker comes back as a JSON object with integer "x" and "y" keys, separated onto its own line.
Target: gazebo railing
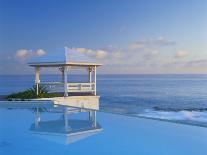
{"x": 53, "y": 87}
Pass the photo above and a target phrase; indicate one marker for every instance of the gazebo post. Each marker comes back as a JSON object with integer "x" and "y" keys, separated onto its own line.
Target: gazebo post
{"x": 90, "y": 81}
{"x": 94, "y": 80}
{"x": 37, "y": 79}
{"x": 65, "y": 82}
{"x": 62, "y": 74}
{"x": 89, "y": 74}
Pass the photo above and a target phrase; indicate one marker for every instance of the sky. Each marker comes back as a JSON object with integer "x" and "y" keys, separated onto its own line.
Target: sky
{"x": 126, "y": 36}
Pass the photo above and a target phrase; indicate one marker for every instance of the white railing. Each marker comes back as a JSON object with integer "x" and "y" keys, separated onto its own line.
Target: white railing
{"x": 71, "y": 87}
{"x": 53, "y": 87}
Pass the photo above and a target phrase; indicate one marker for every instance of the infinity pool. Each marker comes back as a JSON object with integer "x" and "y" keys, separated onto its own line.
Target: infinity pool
{"x": 120, "y": 135}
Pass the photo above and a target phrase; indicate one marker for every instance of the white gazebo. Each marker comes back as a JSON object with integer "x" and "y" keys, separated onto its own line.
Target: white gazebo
{"x": 64, "y": 62}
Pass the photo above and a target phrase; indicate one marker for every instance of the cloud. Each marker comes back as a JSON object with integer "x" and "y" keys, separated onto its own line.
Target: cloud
{"x": 151, "y": 55}
{"x": 139, "y": 53}
{"x": 181, "y": 54}
{"x": 118, "y": 55}
{"x": 200, "y": 63}
{"x": 162, "y": 41}
{"x": 40, "y": 52}
{"x": 24, "y": 54}
{"x": 197, "y": 63}
{"x": 136, "y": 45}
{"x": 86, "y": 51}
{"x": 98, "y": 54}
{"x": 151, "y": 42}
{"x": 101, "y": 54}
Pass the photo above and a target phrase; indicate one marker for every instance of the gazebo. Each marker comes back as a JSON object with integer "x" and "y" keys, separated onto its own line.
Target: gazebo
{"x": 64, "y": 62}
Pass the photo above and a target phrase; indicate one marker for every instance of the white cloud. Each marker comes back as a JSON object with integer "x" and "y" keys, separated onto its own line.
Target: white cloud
{"x": 99, "y": 54}
{"x": 40, "y": 52}
{"x": 181, "y": 54}
{"x": 23, "y": 53}
{"x": 136, "y": 45}
{"x": 142, "y": 51}
{"x": 192, "y": 66}
{"x": 163, "y": 41}
{"x": 118, "y": 55}
{"x": 86, "y": 51}
{"x": 144, "y": 55}
{"x": 199, "y": 63}
{"x": 151, "y": 42}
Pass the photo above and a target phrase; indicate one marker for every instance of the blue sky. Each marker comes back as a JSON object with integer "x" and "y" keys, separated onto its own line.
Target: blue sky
{"x": 127, "y": 36}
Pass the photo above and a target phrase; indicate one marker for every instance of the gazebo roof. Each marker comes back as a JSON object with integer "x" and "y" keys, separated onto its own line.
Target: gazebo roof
{"x": 70, "y": 57}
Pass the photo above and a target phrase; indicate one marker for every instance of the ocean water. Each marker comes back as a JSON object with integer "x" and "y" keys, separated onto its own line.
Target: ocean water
{"x": 177, "y": 98}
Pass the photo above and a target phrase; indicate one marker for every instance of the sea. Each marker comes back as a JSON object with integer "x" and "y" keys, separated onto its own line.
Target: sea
{"x": 166, "y": 97}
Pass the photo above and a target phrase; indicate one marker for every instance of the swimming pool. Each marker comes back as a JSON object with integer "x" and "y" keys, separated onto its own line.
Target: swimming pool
{"x": 120, "y": 135}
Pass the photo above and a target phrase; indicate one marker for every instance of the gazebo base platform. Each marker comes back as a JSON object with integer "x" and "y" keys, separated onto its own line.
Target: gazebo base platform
{"x": 83, "y": 102}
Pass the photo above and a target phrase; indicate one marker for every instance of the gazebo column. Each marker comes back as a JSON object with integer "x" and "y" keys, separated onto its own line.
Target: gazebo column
{"x": 62, "y": 74}
{"x": 89, "y": 74}
{"x": 37, "y": 79}
{"x": 65, "y": 82}
{"x": 90, "y": 81}
{"x": 94, "y": 80}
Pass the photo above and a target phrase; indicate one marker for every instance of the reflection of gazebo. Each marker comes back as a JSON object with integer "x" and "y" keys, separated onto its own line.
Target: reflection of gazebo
{"x": 58, "y": 131}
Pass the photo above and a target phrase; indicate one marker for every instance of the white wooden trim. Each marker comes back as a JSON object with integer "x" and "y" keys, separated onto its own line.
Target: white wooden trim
{"x": 89, "y": 72}
{"x": 58, "y": 64}
{"x": 62, "y": 74}
{"x": 71, "y": 87}
{"x": 95, "y": 80}
{"x": 65, "y": 82}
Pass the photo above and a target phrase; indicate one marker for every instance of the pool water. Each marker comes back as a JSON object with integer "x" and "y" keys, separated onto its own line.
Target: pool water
{"x": 120, "y": 135}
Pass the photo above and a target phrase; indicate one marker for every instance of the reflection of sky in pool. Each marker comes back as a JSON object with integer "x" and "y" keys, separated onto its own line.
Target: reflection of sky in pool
{"x": 120, "y": 135}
